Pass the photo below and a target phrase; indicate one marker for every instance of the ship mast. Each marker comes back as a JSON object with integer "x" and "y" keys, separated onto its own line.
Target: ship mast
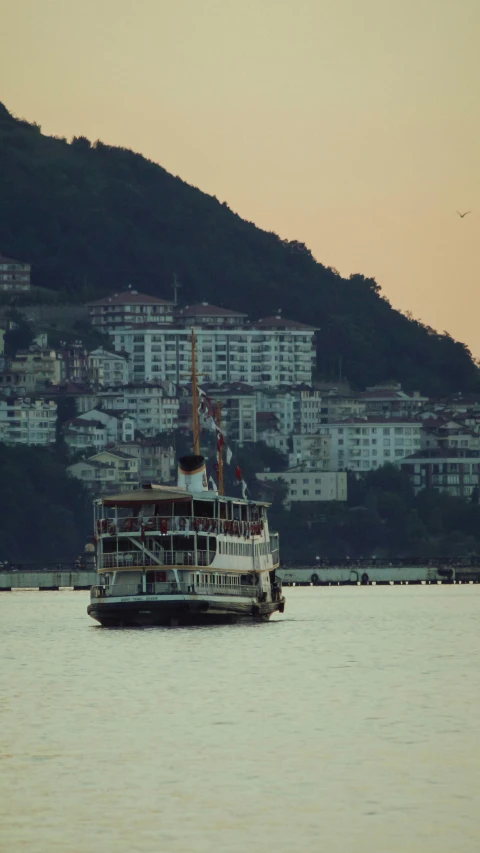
{"x": 218, "y": 421}
{"x": 195, "y": 427}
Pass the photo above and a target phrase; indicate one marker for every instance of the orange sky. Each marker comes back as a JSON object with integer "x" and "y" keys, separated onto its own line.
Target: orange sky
{"x": 350, "y": 125}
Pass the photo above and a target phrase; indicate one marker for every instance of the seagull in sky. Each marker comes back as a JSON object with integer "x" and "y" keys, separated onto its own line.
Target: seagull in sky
{"x": 461, "y": 215}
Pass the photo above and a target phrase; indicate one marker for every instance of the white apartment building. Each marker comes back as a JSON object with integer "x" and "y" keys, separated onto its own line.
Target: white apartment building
{"x": 308, "y": 410}
{"x": 296, "y": 409}
{"x": 271, "y": 352}
{"x": 238, "y": 412}
{"x": 268, "y": 430}
{"x": 129, "y": 308}
{"x": 108, "y": 369}
{"x": 390, "y": 400}
{"x": 26, "y": 421}
{"x": 107, "y": 471}
{"x": 283, "y": 416}
{"x": 311, "y": 485}
{"x": 157, "y": 463}
{"x": 83, "y": 434}
{"x": 99, "y": 477}
{"x": 310, "y": 451}
{"x": 371, "y": 442}
{"x": 119, "y": 425}
{"x": 278, "y": 404}
{"x": 153, "y": 410}
{"x": 97, "y": 428}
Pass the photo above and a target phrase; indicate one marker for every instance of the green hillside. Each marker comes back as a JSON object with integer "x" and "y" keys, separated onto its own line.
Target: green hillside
{"x": 93, "y": 218}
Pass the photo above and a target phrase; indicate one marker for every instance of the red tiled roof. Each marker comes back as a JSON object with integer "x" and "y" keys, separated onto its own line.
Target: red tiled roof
{"x": 85, "y": 422}
{"x": 384, "y": 394}
{"x": 372, "y": 419}
{"x": 203, "y": 309}
{"x": 280, "y": 323}
{"x": 129, "y": 297}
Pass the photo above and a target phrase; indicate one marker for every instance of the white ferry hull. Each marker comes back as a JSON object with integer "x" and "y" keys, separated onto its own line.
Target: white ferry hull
{"x": 180, "y": 610}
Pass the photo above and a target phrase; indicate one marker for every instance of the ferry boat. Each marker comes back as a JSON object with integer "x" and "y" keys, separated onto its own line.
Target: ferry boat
{"x": 184, "y": 555}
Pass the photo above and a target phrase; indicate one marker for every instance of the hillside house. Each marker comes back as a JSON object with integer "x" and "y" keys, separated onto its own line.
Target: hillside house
{"x": 14, "y": 275}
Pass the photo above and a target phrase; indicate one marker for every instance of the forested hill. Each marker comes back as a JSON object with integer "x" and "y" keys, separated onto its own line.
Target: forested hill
{"x": 93, "y": 218}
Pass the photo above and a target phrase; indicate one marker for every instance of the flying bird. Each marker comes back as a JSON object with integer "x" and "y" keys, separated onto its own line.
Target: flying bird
{"x": 461, "y": 215}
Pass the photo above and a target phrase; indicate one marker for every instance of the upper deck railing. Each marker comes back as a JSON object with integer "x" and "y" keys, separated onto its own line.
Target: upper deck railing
{"x": 127, "y": 559}
{"x": 173, "y": 588}
{"x": 177, "y": 524}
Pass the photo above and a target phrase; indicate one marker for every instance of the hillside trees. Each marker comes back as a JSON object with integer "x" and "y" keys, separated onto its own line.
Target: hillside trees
{"x": 107, "y": 216}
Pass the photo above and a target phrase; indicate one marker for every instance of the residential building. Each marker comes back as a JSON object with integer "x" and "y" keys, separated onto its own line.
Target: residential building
{"x": 237, "y": 411}
{"x": 14, "y": 275}
{"x": 309, "y": 485}
{"x": 157, "y": 463}
{"x": 43, "y": 363}
{"x": 98, "y": 477}
{"x": 448, "y": 433}
{"x": 74, "y": 362}
{"x": 27, "y": 421}
{"x": 389, "y": 399}
{"x": 126, "y": 467}
{"x": 129, "y": 308}
{"x": 308, "y": 410}
{"x": 16, "y": 382}
{"x": 152, "y": 405}
{"x": 85, "y": 434}
{"x": 368, "y": 443}
{"x": 204, "y": 314}
{"x": 107, "y": 369}
{"x": 339, "y": 407}
{"x": 270, "y": 352}
{"x": 107, "y": 471}
{"x": 310, "y": 451}
{"x": 282, "y": 405}
{"x": 452, "y": 470}
{"x": 119, "y": 425}
{"x": 268, "y": 432}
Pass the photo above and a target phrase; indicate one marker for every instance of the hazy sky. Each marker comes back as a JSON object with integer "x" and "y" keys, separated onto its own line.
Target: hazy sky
{"x": 350, "y": 125}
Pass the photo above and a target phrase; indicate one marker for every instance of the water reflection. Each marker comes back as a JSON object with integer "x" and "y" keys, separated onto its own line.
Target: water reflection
{"x": 349, "y": 724}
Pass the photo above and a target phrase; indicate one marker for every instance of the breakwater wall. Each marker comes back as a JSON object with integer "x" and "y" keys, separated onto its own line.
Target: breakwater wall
{"x": 378, "y": 574}
{"x": 44, "y": 579}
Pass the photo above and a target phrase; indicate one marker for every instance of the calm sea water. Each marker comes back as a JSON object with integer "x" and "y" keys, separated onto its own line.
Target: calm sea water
{"x": 349, "y": 724}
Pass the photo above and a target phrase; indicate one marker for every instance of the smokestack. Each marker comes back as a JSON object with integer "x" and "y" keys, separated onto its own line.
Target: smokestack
{"x": 192, "y": 473}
